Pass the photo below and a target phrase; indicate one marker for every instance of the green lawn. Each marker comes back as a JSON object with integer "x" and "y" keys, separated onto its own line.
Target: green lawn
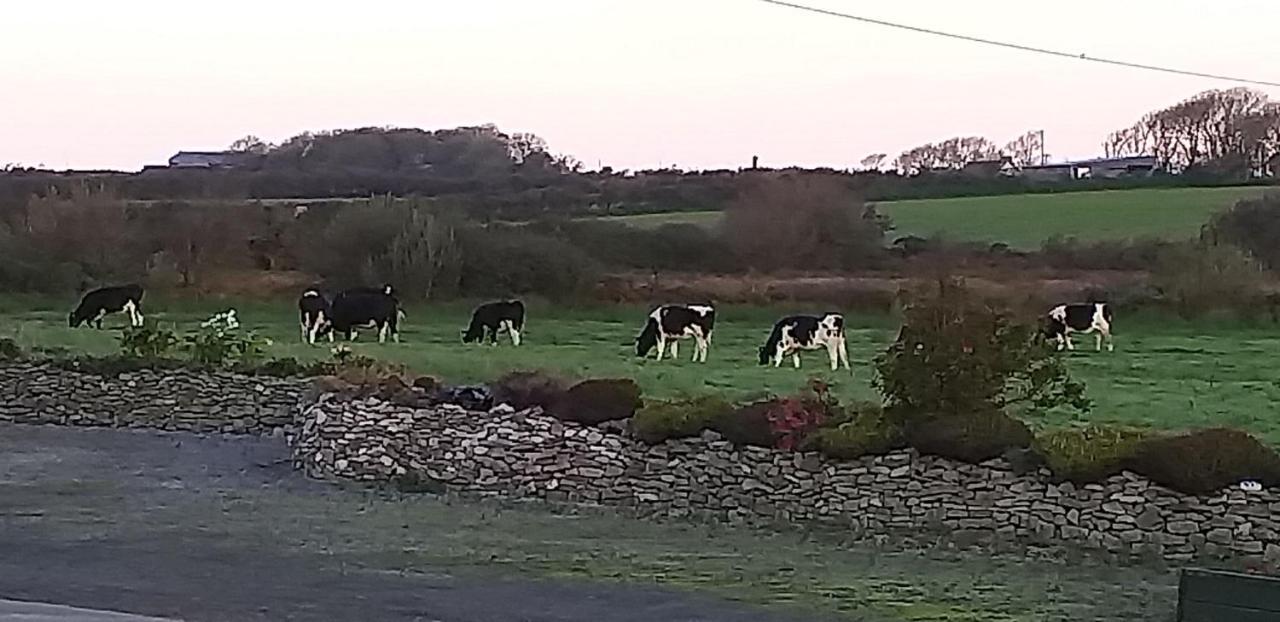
{"x": 1165, "y": 374}
{"x": 1024, "y": 221}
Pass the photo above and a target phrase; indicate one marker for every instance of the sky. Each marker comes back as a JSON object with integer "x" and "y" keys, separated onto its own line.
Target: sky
{"x": 631, "y": 84}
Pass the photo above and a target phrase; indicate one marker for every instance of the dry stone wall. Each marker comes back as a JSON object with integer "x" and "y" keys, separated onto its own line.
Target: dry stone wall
{"x": 529, "y": 455}
{"x": 164, "y": 399}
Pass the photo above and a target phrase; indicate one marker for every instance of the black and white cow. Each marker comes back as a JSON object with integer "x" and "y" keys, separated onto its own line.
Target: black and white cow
{"x": 365, "y": 307}
{"x": 493, "y": 317}
{"x": 99, "y": 302}
{"x": 1092, "y": 317}
{"x": 669, "y": 323}
{"x": 792, "y": 334}
{"x": 314, "y": 316}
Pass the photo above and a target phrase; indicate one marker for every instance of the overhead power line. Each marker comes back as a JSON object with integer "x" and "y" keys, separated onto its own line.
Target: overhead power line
{"x": 1017, "y": 46}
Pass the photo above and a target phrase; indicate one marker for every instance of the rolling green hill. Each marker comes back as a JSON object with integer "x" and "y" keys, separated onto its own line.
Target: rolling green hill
{"x": 1025, "y": 220}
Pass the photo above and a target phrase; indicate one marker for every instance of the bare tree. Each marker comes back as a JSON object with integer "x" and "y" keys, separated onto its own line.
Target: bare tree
{"x": 1027, "y": 149}
{"x": 1235, "y": 129}
{"x": 952, "y": 153}
{"x": 874, "y": 161}
{"x": 250, "y": 144}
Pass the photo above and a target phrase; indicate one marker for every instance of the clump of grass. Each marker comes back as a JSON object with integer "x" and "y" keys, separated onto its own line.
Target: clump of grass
{"x": 1090, "y": 453}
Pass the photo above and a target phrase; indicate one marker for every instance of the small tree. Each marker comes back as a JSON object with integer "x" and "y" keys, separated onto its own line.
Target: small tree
{"x": 803, "y": 222}
{"x": 1252, "y": 224}
{"x": 956, "y": 355}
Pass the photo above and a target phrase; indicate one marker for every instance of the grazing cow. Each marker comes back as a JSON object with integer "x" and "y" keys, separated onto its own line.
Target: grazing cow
{"x": 99, "y": 302}
{"x": 674, "y": 322}
{"x": 1093, "y": 317}
{"x": 493, "y": 317}
{"x": 314, "y": 316}
{"x": 792, "y": 334}
{"x": 364, "y": 307}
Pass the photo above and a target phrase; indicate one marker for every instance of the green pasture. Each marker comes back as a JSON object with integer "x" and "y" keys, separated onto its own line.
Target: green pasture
{"x": 1024, "y": 221}
{"x": 1164, "y": 373}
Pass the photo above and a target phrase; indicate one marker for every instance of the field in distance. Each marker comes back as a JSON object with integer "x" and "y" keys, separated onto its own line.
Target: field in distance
{"x": 1164, "y": 373}
{"x": 1024, "y": 221}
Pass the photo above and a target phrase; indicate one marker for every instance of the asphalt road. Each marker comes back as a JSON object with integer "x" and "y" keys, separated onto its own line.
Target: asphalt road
{"x": 76, "y": 528}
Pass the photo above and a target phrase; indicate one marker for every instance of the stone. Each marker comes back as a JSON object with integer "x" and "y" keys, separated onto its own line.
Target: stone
{"x": 1149, "y": 518}
{"x": 1182, "y": 527}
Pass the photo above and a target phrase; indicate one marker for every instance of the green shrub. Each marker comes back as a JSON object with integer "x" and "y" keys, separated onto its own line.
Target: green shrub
{"x": 219, "y": 342}
{"x": 1196, "y": 279}
{"x": 527, "y": 389}
{"x": 591, "y": 402}
{"x": 971, "y": 437}
{"x": 747, "y": 425}
{"x": 1254, "y": 225}
{"x": 1207, "y": 461}
{"x": 9, "y": 350}
{"x": 956, "y": 355}
{"x": 868, "y": 432}
{"x": 504, "y": 261}
{"x": 363, "y": 371}
{"x": 1089, "y": 454}
{"x": 148, "y": 342}
{"x": 658, "y": 421}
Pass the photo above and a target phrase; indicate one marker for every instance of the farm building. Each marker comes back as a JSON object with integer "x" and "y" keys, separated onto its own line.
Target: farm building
{"x": 214, "y": 159}
{"x": 990, "y": 169}
{"x": 1099, "y": 168}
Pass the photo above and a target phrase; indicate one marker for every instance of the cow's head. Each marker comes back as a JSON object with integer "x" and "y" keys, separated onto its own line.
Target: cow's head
{"x": 764, "y": 355}
{"x": 473, "y": 333}
{"x": 648, "y": 338}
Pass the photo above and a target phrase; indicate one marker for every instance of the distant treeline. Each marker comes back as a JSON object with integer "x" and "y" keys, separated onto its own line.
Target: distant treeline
{"x": 522, "y": 195}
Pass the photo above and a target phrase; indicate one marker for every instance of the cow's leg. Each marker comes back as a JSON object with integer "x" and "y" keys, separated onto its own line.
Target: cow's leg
{"x": 315, "y": 329}
{"x": 795, "y": 359}
{"x": 833, "y": 353}
{"x": 662, "y": 347}
{"x": 305, "y": 332}
{"x": 1067, "y": 339}
{"x": 778, "y": 355}
{"x": 515, "y": 335}
{"x": 675, "y": 349}
{"x": 706, "y": 346}
{"x": 383, "y": 329}
{"x": 697, "y": 347}
{"x": 135, "y": 317}
{"x": 844, "y": 353}
{"x": 1097, "y": 341}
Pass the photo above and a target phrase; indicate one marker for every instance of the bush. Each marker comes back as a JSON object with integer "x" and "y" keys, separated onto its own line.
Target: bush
{"x": 869, "y": 432}
{"x": 1207, "y": 461}
{"x": 956, "y": 355}
{"x": 1196, "y": 279}
{"x": 971, "y": 437}
{"x": 219, "y": 342}
{"x": 593, "y": 402}
{"x": 363, "y": 371}
{"x": 821, "y": 221}
{"x": 9, "y": 350}
{"x": 1252, "y": 224}
{"x": 677, "y": 247}
{"x": 148, "y": 342}
{"x": 658, "y": 421}
{"x": 1089, "y": 454}
{"x": 527, "y": 389}
{"x": 504, "y": 261}
{"x": 747, "y": 425}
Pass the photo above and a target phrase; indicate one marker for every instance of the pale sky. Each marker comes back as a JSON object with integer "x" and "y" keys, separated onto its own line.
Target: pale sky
{"x": 628, "y": 83}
